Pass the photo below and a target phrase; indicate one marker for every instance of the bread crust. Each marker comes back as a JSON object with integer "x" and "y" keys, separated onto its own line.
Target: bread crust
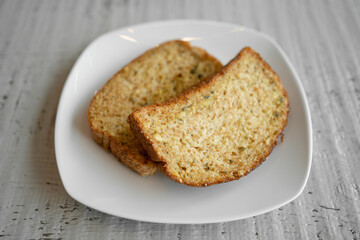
{"x": 138, "y": 128}
{"x": 139, "y": 162}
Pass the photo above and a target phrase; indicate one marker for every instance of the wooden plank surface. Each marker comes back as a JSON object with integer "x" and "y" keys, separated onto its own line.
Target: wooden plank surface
{"x": 39, "y": 43}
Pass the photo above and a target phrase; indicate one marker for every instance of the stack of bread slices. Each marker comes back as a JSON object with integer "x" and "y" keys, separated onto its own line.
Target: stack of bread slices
{"x": 176, "y": 109}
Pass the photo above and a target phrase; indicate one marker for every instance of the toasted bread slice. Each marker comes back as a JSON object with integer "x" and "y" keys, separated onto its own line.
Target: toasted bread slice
{"x": 157, "y": 75}
{"x": 220, "y": 130}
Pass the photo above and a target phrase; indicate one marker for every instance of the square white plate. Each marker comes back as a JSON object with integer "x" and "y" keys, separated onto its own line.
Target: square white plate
{"x": 95, "y": 177}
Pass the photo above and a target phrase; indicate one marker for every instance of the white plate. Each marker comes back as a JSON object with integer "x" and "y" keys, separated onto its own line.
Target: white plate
{"x": 95, "y": 178}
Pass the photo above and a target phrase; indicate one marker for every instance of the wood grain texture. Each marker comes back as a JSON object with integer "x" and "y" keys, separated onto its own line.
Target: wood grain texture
{"x": 39, "y": 43}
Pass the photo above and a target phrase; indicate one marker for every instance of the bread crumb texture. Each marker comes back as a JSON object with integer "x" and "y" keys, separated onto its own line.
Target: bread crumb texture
{"x": 221, "y": 130}
{"x": 159, "y": 74}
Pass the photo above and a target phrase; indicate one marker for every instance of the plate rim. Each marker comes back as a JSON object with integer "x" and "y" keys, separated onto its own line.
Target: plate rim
{"x": 200, "y": 220}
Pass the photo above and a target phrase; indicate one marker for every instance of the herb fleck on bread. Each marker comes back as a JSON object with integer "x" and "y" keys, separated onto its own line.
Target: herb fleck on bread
{"x": 157, "y": 75}
{"x": 220, "y": 130}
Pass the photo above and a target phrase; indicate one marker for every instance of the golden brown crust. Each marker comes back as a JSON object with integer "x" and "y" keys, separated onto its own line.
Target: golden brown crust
{"x": 138, "y": 128}
{"x": 131, "y": 157}
{"x": 142, "y": 166}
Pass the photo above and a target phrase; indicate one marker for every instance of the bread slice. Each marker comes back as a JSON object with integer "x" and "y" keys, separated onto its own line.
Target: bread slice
{"x": 220, "y": 130}
{"x": 157, "y": 75}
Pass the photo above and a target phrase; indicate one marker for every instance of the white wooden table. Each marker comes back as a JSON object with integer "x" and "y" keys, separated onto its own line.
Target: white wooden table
{"x": 39, "y": 43}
